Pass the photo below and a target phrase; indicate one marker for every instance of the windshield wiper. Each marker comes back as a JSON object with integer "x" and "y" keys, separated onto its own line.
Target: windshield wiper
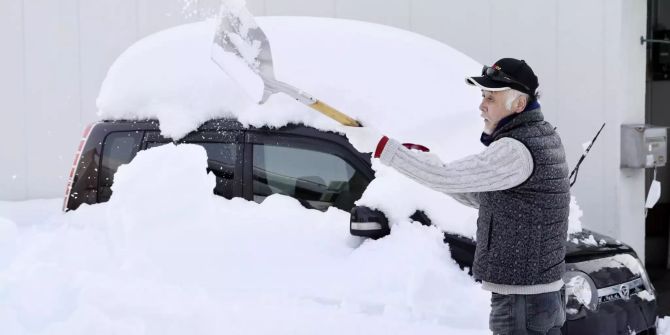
{"x": 575, "y": 171}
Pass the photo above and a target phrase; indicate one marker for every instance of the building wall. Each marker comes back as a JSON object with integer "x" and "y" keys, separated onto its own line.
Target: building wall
{"x": 586, "y": 52}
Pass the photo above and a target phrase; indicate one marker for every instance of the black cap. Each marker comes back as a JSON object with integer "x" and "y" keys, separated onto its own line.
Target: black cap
{"x": 507, "y": 73}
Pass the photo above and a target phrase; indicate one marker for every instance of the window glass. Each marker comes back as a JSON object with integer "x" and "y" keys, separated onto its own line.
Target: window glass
{"x": 317, "y": 179}
{"x": 119, "y": 148}
{"x": 155, "y": 144}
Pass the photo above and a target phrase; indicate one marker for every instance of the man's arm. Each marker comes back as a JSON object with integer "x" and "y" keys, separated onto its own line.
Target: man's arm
{"x": 506, "y": 163}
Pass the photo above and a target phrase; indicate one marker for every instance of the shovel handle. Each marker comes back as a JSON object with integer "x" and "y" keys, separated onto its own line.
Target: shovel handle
{"x": 334, "y": 114}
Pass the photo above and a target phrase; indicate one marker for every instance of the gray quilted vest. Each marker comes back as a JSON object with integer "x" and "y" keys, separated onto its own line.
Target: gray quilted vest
{"x": 521, "y": 231}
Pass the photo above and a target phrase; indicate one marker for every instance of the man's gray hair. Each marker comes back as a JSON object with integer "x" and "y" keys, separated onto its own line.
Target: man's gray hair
{"x": 512, "y": 95}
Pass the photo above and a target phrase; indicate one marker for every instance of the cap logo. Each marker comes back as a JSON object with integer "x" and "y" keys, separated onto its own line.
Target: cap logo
{"x": 495, "y": 66}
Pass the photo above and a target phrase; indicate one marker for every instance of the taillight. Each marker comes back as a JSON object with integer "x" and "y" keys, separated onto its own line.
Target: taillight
{"x": 75, "y": 163}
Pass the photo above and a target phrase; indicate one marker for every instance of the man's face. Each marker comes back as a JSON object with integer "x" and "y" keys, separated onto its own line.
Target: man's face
{"x": 493, "y": 109}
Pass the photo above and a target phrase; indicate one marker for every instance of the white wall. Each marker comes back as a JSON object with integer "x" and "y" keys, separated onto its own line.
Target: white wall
{"x": 586, "y": 53}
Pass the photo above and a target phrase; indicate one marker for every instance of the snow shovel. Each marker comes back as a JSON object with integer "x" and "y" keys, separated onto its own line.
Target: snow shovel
{"x": 240, "y": 45}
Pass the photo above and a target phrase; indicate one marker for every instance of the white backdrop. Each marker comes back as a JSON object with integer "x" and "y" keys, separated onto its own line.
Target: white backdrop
{"x": 586, "y": 52}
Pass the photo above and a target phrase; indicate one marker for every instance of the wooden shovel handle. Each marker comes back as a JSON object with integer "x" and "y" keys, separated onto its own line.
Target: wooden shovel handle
{"x": 334, "y": 114}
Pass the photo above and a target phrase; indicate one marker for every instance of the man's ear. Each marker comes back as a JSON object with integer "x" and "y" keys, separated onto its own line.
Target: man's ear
{"x": 520, "y": 104}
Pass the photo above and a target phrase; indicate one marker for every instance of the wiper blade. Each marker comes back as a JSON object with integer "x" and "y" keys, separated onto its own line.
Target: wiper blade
{"x": 581, "y": 159}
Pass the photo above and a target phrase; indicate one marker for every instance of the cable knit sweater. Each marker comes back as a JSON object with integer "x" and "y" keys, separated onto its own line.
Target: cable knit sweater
{"x": 505, "y": 164}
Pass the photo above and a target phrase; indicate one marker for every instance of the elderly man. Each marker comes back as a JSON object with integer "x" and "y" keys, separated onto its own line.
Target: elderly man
{"x": 520, "y": 185}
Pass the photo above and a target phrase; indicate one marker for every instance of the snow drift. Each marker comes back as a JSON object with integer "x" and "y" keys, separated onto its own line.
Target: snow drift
{"x": 169, "y": 257}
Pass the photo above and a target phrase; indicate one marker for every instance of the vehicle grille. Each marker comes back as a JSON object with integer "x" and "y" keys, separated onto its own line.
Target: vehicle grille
{"x": 621, "y": 291}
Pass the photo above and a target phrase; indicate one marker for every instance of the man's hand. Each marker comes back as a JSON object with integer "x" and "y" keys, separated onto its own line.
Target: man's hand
{"x": 364, "y": 139}
{"x": 367, "y": 139}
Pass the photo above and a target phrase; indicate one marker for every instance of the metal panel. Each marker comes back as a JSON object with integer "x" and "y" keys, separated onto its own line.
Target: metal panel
{"x": 209, "y": 8}
{"x": 624, "y": 101}
{"x": 529, "y": 34}
{"x": 389, "y": 12}
{"x": 580, "y": 60}
{"x": 257, "y": 7}
{"x": 52, "y": 93}
{"x": 464, "y": 25}
{"x": 643, "y": 146}
{"x": 300, "y": 7}
{"x": 156, "y": 15}
{"x": 13, "y": 170}
{"x": 580, "y": 88}
{"x": 107, "y": 28}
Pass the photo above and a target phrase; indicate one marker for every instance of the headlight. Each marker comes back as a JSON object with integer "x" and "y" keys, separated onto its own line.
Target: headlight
{"x": 580, "y": 291}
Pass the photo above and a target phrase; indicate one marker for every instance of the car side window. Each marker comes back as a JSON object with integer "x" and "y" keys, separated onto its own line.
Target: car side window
{"x": 221, "y": 158}
{"x": 317, "y": 179}
{"x": 118, "y": 148}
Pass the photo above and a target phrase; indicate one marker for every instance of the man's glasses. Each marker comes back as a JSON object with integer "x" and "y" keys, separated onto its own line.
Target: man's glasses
{"x": 500, "y": 76}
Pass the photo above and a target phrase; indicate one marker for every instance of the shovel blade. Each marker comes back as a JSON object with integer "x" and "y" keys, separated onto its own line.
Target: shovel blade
{"x": 243, "y": 51}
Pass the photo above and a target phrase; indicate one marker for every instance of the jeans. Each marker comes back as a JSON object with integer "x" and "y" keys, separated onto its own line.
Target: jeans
{"x": 527, "y": 314}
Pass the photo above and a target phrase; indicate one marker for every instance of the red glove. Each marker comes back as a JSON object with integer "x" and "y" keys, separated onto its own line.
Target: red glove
{"x": 384, "y": 140}
{"x": 416, "y": 147}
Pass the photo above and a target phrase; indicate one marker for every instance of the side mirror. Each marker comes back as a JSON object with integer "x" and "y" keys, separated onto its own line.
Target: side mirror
{"x": 421, "y": 217}
{"x": 367, "y": 222}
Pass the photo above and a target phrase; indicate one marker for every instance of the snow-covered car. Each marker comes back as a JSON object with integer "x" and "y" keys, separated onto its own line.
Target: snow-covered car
{"x": 608, "y": 287}
{"x": 165, "y": 89}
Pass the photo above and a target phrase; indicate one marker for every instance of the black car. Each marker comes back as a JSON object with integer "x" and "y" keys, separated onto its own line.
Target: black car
{"x": 607, "y": 286}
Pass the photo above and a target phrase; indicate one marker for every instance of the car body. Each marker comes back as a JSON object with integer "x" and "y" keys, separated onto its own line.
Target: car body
{"x": 322, "y": 169}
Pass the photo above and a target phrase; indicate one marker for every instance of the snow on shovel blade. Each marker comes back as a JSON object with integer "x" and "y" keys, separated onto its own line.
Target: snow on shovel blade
{"x": 242, "y": 50}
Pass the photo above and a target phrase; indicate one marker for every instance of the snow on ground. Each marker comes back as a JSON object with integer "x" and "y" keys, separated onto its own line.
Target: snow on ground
{"x": 664, "y": 326}
{"x": 28, "y": 213}
{"x": 166, "y": 256}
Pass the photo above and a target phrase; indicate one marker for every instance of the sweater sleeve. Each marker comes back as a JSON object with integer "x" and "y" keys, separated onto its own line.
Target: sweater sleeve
{"x": 504, "y": 164}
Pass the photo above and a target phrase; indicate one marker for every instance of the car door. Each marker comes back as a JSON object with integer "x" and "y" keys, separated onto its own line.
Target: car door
{"x": 224, "y": 156}
{"x": 316, "y": 171}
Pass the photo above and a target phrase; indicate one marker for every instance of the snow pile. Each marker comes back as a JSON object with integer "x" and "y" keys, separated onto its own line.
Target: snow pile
{"x": 166, "y": 256}
{"x": 590, "y": 240}
{"x": 8, "y": 234}
{"x": 663, "y": 326}
{"x": 575, "y": 217}
{"x": 407, "y": 85}
{"x": 26, "y": 213}
{"x": 170, "y": 78}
